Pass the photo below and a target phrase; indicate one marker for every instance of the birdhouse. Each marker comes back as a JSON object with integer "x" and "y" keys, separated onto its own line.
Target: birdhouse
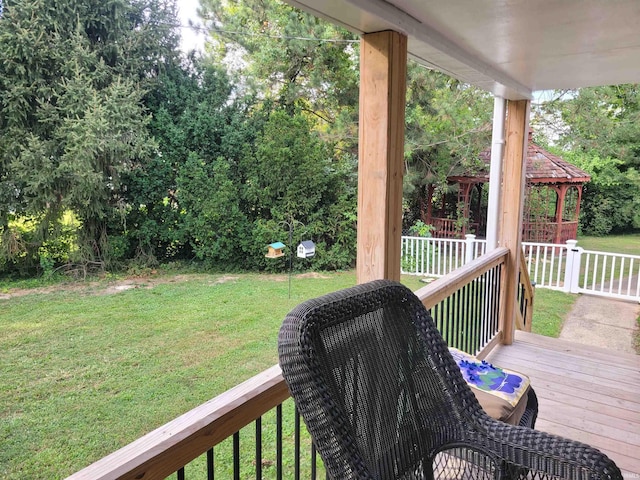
{"x": 306, "y": 249}
{"x": 275, "y": 250}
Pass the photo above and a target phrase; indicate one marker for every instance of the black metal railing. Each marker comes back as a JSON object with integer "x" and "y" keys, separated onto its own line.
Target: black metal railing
{"x": 259, "y": 451}
{"x": 465, "y": 304}
{"x": 468, "y": 318}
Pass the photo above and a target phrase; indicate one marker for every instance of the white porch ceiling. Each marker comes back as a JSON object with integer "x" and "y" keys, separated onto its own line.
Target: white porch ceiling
{"x": 508, "y": 47}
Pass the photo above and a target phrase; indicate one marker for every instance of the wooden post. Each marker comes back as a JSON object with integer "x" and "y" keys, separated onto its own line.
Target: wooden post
{"x": 383, "y": 73}
{"x": 562, "y": 193}
{"x": 513, "y": 186}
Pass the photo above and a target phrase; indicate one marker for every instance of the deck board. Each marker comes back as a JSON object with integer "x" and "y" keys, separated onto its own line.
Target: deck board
{"x": 586, "y": 393}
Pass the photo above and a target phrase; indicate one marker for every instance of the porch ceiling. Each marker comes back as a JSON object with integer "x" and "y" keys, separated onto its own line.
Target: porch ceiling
{"x": 509, "y": 47}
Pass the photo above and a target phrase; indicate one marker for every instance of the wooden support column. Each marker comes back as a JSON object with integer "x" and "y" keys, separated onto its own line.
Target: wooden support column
{"x": 513, "y": 186}
{"x": 383, "y": 73}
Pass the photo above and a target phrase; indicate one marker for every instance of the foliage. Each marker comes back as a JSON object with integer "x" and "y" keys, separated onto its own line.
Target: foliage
{"x": 196, "y": 127}
{"x": 72, "y": 120}
{"x": 421, "y": 229}
{"x": 601, "y": 121}
{"x": 448, "y": 125}
{"x": 291, "y": 177}
{"x": 291, "y": 57}
{"x": 598, "y": 129}
{"x": 610, "y": 202}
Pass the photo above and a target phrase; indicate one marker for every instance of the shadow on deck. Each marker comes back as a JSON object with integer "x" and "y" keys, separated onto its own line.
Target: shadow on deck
{"x": 586, "y": 393}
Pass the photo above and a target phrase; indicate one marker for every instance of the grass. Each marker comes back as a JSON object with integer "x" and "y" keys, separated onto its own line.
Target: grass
{"x": 85, "y": 372}
{"x": 550, "y": 308}
{"x": 627, "y": 244}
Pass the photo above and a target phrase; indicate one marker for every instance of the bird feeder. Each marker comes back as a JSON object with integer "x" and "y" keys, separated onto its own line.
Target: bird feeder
{"x": 275, "y": 250}
{"x": 306, "y": 249}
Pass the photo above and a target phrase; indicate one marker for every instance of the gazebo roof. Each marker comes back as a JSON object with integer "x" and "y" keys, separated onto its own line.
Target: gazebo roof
{"x": 542, "y": 167}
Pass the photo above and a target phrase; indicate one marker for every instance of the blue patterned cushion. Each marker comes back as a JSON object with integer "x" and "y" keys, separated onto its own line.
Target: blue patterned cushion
{"x": 501, "y": 392}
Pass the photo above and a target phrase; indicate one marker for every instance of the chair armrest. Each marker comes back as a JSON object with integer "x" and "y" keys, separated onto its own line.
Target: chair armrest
{"x": 547, "y": 455}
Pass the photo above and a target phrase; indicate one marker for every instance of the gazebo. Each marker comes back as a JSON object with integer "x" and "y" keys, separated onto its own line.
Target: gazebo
{"x": 553, "y": 193}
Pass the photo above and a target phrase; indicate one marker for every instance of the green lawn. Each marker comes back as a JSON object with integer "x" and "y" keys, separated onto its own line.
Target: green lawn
{"x": 85, "y": 372}
{"x": 628, "y": 244}
{"x": 549, "y": 310}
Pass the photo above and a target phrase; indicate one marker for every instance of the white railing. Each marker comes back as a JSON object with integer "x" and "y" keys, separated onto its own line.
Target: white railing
{"x": 436, "y": 257}
{"x": 546, "y": 263}
{"x": 605, "y": 274}
{"x": 564, "y": 267}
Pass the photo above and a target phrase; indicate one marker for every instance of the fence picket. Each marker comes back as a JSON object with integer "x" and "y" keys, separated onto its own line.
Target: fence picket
{"x": 565, "y": 267}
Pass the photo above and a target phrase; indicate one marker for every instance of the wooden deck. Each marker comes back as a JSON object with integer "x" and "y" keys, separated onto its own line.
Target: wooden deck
{"x": 585, "y": 393}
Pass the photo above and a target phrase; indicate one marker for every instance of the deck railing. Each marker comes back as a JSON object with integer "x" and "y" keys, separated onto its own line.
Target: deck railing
{"x": 524, "y": 314}
{"x": 566, "y": 267}
{"x": 465, "y": 303}
{"x": 254, "y": 426}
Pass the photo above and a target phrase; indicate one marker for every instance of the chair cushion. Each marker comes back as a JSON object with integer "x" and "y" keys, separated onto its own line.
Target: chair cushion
{"x": 502, "y": 393}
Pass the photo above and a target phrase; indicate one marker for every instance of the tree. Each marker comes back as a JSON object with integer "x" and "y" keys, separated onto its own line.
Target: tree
{"x": 598, "y": 129}
{"x": 448, "y": 124}
{"x": 603, "y": 120}
{"x": 72, "y": 121}
{"x": 292, "y": 176}
{"x": 610, "y": 201}
{"x": 292, "y": 58}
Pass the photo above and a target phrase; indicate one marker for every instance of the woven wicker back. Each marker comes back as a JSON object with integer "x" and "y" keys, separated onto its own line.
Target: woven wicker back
{"x": 374, "y": 381}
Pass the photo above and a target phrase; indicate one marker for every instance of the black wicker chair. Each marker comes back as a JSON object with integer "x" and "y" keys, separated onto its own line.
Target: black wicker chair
{"x": 383, "y": 398}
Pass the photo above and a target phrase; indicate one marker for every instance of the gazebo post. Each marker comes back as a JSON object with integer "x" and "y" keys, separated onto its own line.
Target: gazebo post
{"x": 562, "y": 193}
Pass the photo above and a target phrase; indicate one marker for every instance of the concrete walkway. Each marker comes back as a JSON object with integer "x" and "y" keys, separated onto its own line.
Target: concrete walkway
{"x": 602, "y": 322}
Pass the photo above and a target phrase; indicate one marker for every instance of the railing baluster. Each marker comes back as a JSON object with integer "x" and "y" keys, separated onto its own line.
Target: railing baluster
{"x": 613, "y": 271}
{"x": 210, "y": 464}
{"x": 469, "y": 320}
{"x": 296, "y": 454}
{"x": 236, "y": 456}
{"x": 313, "y": 461}
{"x": 259, "y": 448}
{"x": 475, "y": 310}
{"x": 279, "y": 442}
{"x": 604, "y": 270}
{"x": 621, "y": 275}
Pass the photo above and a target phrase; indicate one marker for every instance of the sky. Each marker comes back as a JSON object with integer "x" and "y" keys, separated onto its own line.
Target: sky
{"x": 191, "y": 39}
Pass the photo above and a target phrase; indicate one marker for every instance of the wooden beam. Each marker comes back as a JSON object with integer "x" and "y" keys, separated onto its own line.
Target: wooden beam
{"x": 383, "y": 73}
{"x": 513, "y": 186}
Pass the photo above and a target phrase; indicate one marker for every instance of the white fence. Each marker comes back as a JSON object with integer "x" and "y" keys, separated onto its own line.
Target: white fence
{"x": 567, "y": 267}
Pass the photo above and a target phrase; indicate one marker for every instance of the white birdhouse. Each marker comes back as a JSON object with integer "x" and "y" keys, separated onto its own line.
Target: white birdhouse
{"x": 306, "y": 249}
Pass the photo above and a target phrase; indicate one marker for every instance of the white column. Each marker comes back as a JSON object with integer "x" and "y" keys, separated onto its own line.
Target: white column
{"x": 495, "y": 172}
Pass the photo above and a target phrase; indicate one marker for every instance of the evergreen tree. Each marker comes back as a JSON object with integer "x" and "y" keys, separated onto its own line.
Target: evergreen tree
{"x": 72, "y": 121}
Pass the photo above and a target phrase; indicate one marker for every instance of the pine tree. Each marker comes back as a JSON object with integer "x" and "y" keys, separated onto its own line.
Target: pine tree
{"x": 73, "y": 75}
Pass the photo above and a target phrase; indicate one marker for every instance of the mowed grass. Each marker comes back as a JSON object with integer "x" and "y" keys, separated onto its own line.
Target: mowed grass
{"x": 84, "y": 372}
{"x": 550, "y": 308}
{"x": 627, "y": 244}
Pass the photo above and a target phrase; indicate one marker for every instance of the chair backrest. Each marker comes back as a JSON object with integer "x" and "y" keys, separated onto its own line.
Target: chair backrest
{"x": 373, "y": 380}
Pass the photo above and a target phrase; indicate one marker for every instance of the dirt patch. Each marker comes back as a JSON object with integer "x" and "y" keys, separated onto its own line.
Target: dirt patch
{"x": 113, "y": 287}
{"x": 225, "y": 279}
{"x": 312, "y": 275}
{"x": 106, "y": 287}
